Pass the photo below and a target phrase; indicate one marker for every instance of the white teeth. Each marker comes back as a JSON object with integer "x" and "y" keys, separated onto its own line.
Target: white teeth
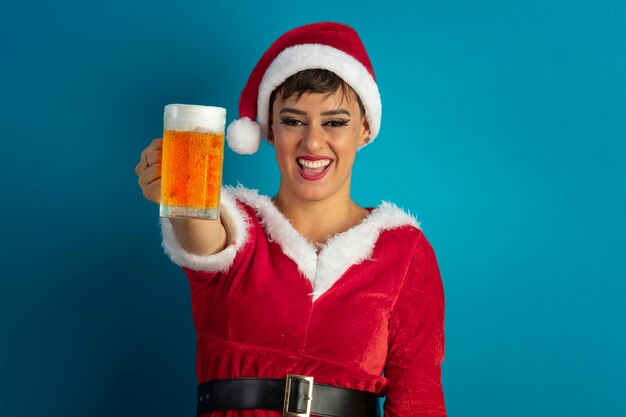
{"x": 314, "y": 164}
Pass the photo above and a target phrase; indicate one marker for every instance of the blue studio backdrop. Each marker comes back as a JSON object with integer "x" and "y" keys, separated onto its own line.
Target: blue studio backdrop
{"x": 503, "y": 131}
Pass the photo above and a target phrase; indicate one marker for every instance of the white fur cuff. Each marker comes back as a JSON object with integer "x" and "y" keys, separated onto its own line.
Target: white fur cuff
{"x": 235, "y": 222}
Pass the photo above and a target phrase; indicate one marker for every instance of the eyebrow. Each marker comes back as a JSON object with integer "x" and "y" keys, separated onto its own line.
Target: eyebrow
{"x": 337, "y": 111}
{"x": 303, "y": 113}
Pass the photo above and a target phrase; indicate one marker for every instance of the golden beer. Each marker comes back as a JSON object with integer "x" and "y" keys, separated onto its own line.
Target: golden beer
{"x": 191, "y": 170}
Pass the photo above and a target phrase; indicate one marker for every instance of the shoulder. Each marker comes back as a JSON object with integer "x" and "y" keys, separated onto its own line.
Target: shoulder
{"x": 389, "y": 216}
{"x": 399, "y": 230}
{"x": 252, "y": 207}
{"x": 252, "y": 204}
{"x": 260, "y": 212}
{"x": 403, "y": 242}
{"x": 236, "y": 216}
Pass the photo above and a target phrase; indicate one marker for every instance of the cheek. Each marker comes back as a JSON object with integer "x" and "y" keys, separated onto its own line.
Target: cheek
{"x": 348, "y": 142}
{"x": 283, "y": 152}
{"x": 346, "y": 153}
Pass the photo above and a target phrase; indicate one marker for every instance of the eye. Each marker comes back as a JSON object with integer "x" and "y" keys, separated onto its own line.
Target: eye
{"x": 337, "y": 123}
{"x": 291, "y": 122}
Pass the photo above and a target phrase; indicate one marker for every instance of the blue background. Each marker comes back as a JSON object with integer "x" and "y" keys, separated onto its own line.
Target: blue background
{"x": 504, "y": 131}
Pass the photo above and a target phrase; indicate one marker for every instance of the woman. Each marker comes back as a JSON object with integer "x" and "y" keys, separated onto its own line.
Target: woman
{"x": 308, "y": 283}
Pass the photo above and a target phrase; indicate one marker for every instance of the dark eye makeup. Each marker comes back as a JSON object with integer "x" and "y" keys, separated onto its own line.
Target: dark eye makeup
{"x": 288, "y": 121}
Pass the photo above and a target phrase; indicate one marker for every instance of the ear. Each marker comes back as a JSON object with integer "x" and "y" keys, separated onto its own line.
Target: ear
{"x": 270, "y": 135}
{"x": 365, "y": 132}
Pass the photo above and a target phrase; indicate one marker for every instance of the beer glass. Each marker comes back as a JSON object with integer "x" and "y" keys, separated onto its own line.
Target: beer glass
{"x": 192, "y": 158}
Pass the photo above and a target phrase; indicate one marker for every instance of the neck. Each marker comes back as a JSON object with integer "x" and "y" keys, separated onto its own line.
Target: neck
{"x": 319, "y": 220}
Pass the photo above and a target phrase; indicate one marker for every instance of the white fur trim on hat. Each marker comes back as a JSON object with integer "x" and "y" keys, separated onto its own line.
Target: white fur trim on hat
{"x": 310, "y": 56}
{"x": 243, "y": 136}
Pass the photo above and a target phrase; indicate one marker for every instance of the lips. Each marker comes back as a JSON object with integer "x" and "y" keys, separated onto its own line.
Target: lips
{"x": 313, "y": 167}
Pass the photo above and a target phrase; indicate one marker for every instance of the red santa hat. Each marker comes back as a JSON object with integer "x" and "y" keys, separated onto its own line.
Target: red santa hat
{"x": 331, "y": 46}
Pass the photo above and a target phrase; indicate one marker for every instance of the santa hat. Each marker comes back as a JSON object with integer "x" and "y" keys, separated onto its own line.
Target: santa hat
{"x": 331, "y": 46}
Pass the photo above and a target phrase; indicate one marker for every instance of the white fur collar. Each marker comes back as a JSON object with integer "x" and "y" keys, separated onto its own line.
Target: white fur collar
{"x": 339, "y": 253}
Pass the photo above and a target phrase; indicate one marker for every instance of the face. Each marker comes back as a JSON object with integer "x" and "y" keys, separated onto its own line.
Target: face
{"x": 316, "y": 137}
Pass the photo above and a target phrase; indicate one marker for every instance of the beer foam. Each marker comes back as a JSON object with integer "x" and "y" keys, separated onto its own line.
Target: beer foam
{"x": 194, "y": 118}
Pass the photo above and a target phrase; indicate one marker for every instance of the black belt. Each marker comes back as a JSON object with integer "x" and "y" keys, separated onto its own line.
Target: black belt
{"x": 295, "y": 396}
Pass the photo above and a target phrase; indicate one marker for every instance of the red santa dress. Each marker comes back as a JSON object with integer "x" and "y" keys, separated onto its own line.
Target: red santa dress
{"x": 370, "y": 302}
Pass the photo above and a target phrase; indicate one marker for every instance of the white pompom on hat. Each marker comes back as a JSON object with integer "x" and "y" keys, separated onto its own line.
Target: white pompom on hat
{"x": 331, "y": 46}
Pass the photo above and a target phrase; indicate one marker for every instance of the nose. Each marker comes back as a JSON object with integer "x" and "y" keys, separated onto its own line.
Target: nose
{"x": 313, "y": 138}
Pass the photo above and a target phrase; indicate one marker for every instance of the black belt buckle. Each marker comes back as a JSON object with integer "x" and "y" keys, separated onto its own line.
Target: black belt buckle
{"x": 308, "y": 397}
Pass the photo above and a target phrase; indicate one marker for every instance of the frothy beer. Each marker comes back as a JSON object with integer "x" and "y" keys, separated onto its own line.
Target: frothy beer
{"x": 192, "y": 158}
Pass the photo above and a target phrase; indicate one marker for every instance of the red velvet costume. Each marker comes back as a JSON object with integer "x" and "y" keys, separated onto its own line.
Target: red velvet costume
{"x": 370, "y": 302}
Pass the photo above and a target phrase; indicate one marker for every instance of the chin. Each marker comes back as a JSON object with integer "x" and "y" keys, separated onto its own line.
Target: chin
{"x": 312, "y": 193}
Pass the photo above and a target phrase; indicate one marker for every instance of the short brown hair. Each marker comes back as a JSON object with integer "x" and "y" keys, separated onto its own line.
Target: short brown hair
{"x": 318, "y": 81}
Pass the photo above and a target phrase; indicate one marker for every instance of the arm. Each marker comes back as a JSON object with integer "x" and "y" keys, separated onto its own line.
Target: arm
{"x": 199, "y": 236}
{"x": 196, "y": 236}
{"x": 416, "y": 341}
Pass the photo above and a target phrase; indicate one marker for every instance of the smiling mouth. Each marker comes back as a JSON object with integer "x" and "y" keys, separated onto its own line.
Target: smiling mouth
{"x": 313, "y": 165}
{"x": 313, "y": 170}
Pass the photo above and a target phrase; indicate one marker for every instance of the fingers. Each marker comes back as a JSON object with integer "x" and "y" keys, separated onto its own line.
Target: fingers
{"x": 152, "y": 191}
{"x": 149, "y": 175}
{"x": 148, "y": 171}
{"x": 150, "y": 183}
{"x": 150, "y": 156}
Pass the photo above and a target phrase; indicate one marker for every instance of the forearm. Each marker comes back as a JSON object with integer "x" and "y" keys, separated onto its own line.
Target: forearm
{"x": 199, "y": 236}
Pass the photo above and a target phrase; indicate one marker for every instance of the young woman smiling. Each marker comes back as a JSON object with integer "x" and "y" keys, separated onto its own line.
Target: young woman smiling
{"x": 316, "y": 134}
{"x": 306, "y": 303}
